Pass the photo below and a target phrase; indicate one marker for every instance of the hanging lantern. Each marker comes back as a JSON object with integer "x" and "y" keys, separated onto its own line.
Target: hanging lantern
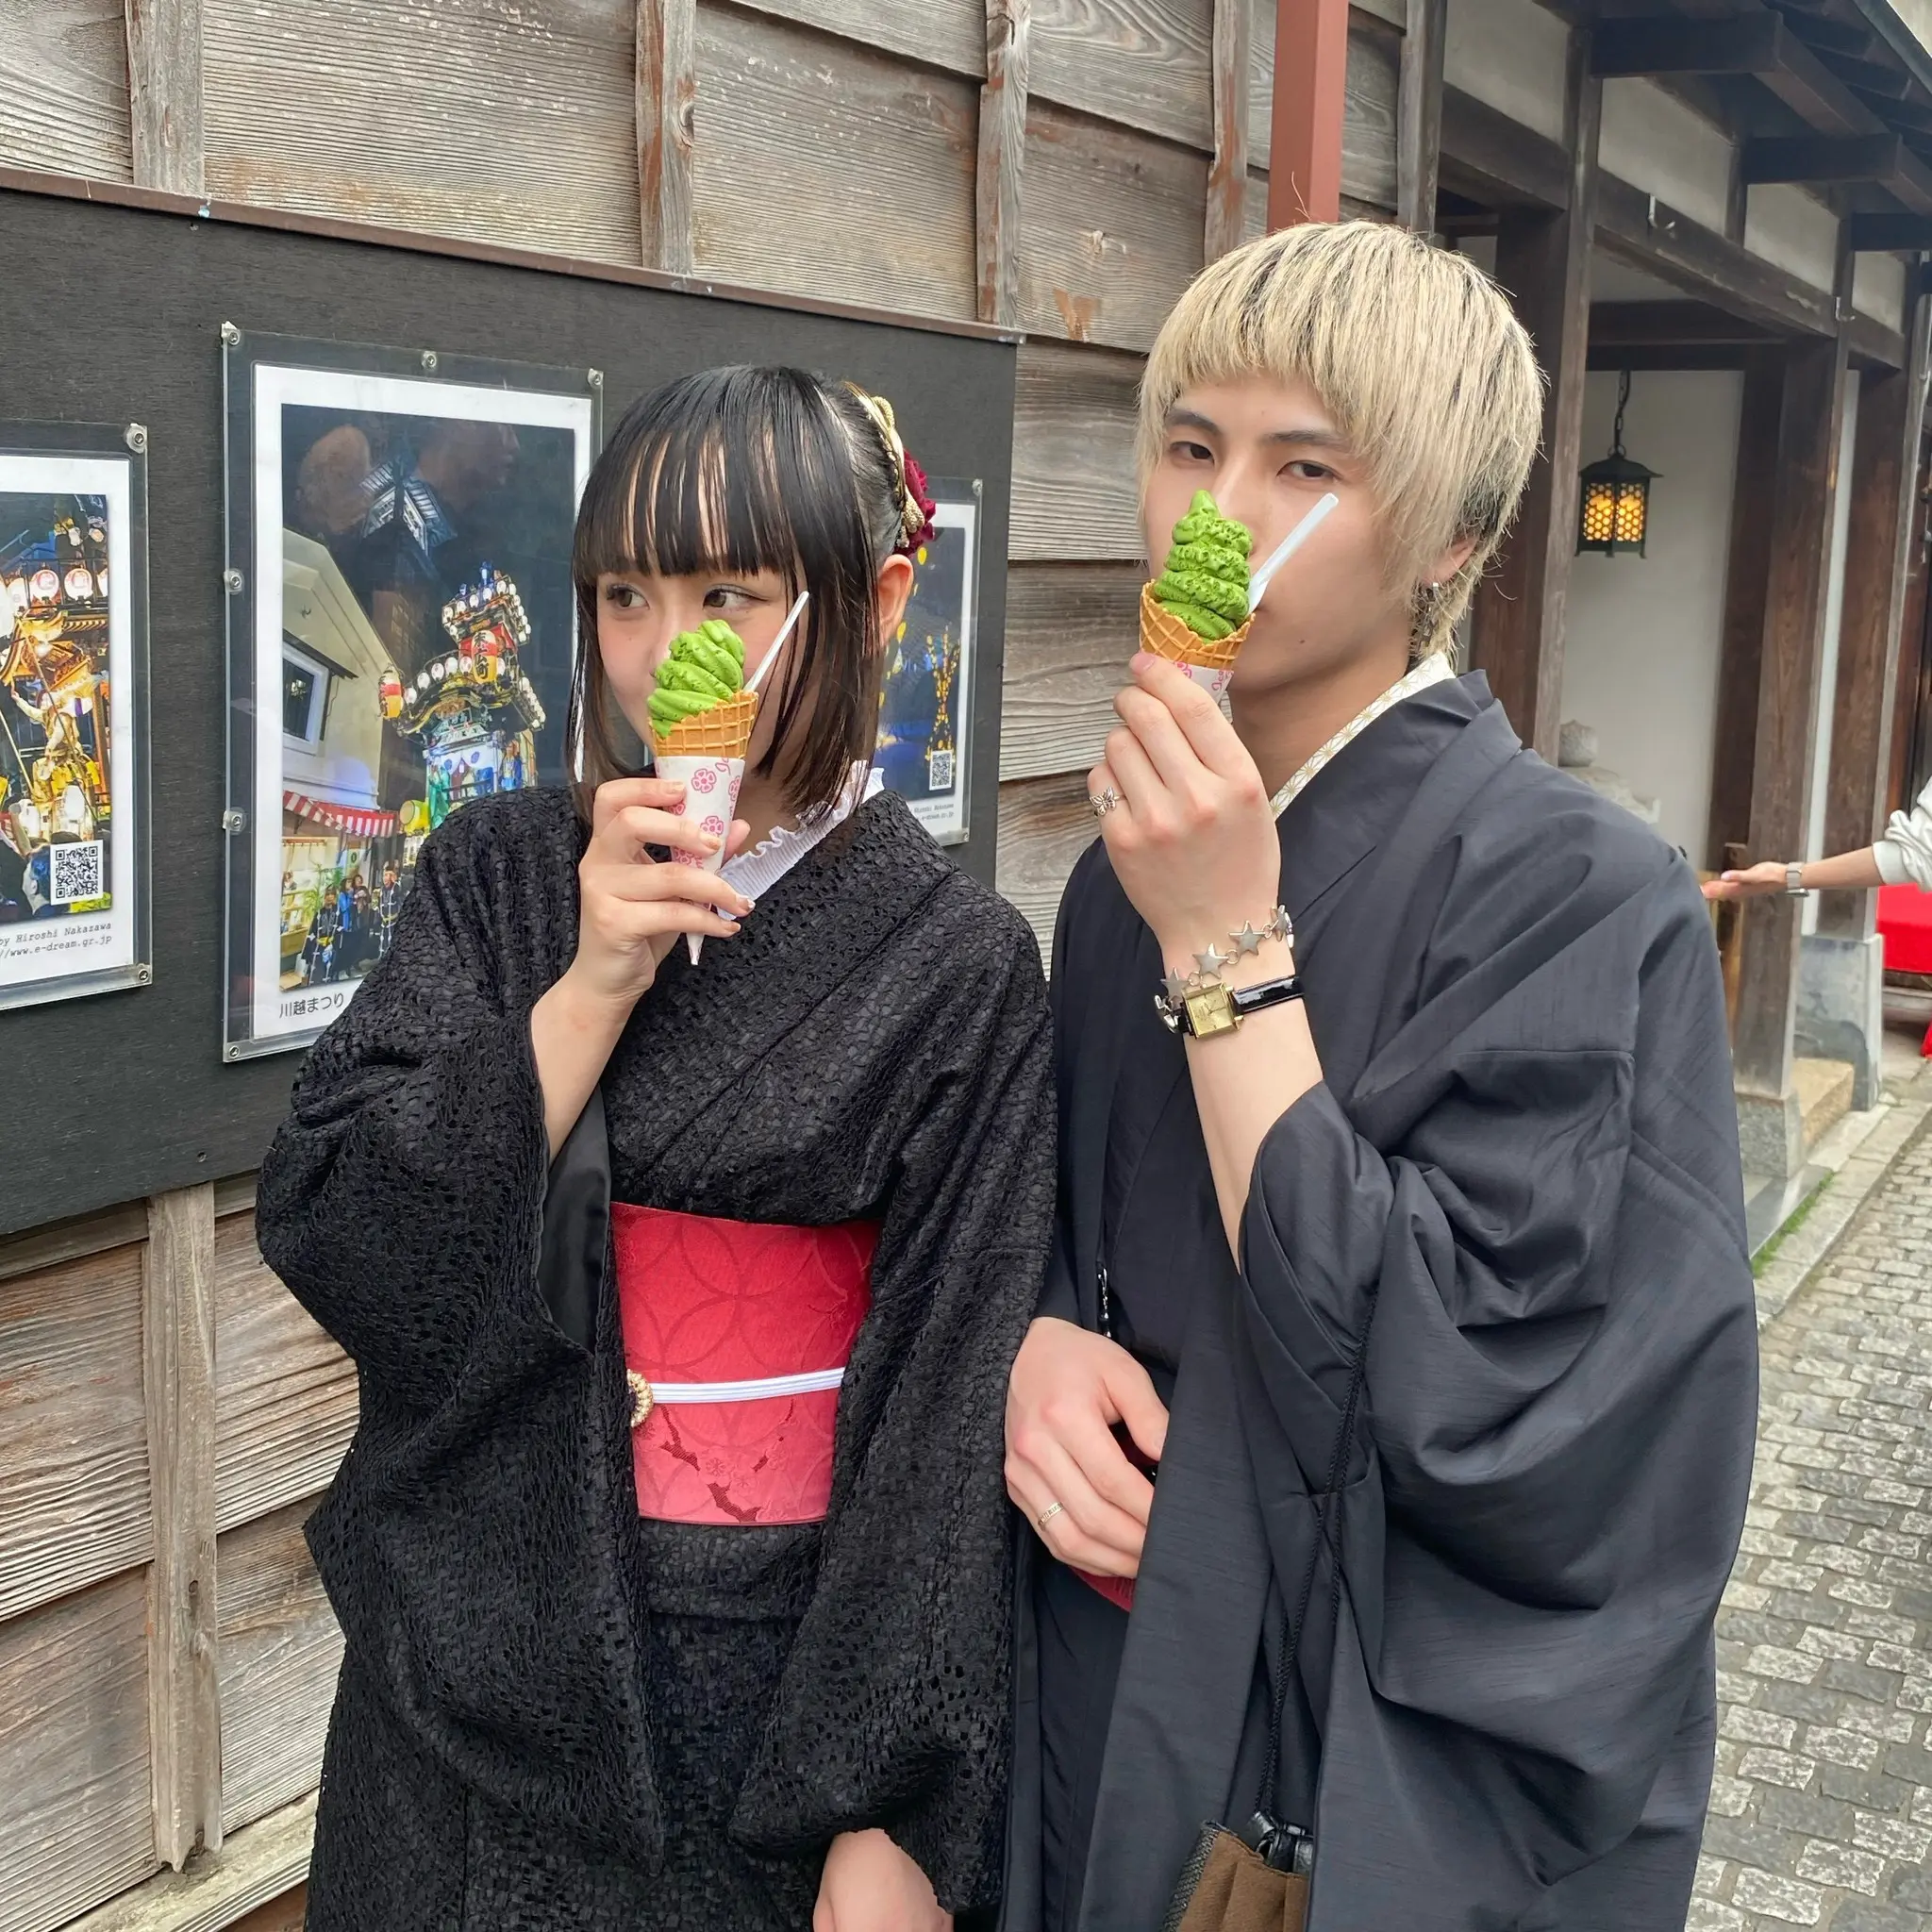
{"x": 44, "y": 586}
{"x": 1614, "y": 513}
{"x": 388, "y": 693}
{"x": 80, "y": 584}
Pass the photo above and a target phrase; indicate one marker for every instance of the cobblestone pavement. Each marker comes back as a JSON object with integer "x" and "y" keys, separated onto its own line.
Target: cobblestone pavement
{"x": 1821, "y": 1810}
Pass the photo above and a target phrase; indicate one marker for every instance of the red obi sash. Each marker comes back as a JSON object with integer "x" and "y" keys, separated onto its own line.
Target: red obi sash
{"x": 736, "y": 1335}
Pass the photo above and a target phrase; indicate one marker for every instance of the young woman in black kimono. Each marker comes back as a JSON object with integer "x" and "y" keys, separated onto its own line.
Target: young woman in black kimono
{"x": 670, "y": 1553}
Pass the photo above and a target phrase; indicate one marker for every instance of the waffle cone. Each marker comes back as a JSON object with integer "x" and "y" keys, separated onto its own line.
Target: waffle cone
{"x": 724, "y": 731}
{"x": 1164, "y": 635}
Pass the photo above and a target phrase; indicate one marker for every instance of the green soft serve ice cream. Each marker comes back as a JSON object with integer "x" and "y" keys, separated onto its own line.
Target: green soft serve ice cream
{"x": 1206, "y": 581}
{"x": 706, "y": 666}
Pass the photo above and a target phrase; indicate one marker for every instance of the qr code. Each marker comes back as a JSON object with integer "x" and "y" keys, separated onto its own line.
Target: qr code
{"x": 939, "y": 770}
{"x": 77, "y": 872}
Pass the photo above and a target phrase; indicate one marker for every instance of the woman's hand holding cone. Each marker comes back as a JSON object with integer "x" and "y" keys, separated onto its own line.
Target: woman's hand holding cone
{"x": 633, "y": 908}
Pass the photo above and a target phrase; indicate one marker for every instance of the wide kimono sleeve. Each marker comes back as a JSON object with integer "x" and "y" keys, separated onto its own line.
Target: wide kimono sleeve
{"x": 470, "y": 1540}
{"x": 1528, "y": 1203}
{"x": 895, "y": 1710}
{"x": 408, "y": 1181}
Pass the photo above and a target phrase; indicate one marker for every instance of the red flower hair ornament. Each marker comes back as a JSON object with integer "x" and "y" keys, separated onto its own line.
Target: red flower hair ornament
{"x": 915, "y": 507}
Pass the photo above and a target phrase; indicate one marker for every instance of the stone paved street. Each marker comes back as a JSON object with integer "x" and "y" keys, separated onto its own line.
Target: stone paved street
{"x": 1821, "y": 1810}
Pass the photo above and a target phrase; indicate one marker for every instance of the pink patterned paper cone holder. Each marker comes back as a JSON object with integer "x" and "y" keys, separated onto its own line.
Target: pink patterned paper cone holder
{"x": 710, "y": 796}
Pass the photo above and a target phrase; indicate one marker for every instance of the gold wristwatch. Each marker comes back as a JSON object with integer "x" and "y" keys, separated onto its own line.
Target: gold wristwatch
{"x": 1204, "y": 1010}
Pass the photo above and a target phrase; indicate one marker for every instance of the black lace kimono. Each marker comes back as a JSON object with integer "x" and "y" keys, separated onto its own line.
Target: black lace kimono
{"x": 552, "y": 1713}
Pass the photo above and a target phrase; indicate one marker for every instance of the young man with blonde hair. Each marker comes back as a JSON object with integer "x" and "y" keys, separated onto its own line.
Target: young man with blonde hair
{"x": 1449, "y": 1465}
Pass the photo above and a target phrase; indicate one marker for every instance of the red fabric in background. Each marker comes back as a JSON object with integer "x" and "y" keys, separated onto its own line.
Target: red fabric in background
{"x": 706, "y": 1299}
{"x": 1904, "y": 919}
{"x": 1904, "y": 924}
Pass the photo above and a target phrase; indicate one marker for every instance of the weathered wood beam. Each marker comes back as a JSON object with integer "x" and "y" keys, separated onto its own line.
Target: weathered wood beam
{"x": 1805, "y": 482}
{"x": 1310, "y": 91}
{"x": 1499, "y": 161}
{"x": 1868, "y": 77}
{"x": 164, "y": 93}
{"x": 1227, "y": 175}
{"x": 1665, "y": 324}
{"x": 1760, "y": 45}
{"x": 1882, "y": 159}
{"x": 1884, "y": 234}
{"x": 1643, "y": 356}
{"x": 667, "y": 95}
{"x": 1912, "y": 687}
{"x": 1543, "y": 259}
{"x": 178, "y": 1380}
{"x": 997, "y": 182}
{"x": 1747, "y": 583}
{"x": 1670, "y": 43}
{"x": 1649, "y": 235}
{"x": 1878, "y": 535}
{"x": 1418, "y": 116}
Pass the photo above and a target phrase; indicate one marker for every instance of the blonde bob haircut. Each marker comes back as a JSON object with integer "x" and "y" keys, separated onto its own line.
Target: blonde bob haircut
{"x": 1415, "y": 354}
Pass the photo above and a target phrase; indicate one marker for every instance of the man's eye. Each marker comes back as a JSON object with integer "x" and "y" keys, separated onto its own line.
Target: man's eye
{"x": 1312, "y": 472}
{"x": 1190, "y": 451}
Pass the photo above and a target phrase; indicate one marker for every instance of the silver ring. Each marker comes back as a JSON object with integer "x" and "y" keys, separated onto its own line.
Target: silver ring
{"x": 1047, "y": 1515}
{"x": 1103, "y": 802}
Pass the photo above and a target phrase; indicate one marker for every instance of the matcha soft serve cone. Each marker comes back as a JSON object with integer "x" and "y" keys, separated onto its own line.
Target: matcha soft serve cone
{"x": 700, "y": 721}
{"x": 1196, "y": 613}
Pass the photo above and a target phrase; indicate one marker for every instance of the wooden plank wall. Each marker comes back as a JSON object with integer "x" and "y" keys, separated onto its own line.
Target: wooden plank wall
{"x": 166, "y": 1654}
{"x": 161, "y": 1684}
{"x": 834, "y": 148}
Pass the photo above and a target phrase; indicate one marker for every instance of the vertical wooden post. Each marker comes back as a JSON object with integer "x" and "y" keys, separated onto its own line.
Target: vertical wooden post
{"x": 1227, "y": 177}
{"x": 1811, "y": 419}
{"x": 1878, "y": 539}
{"x": 997, "y": 183}
{"x": 1543, "y": 259}
{"x": 1419, "y": 117}
{"x": 178, "y": 1375}
{"x": 164, "y": 93}
{"x": 1310, "y": 95}
{"x": 667, "y": 97}
{"x": 1747, "y": 584}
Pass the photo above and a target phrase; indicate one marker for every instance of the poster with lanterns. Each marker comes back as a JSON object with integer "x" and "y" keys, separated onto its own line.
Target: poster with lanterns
{"x": 407, "y": 648}
{"x": 73, "y": 885}
{"x": 925, "y": 703}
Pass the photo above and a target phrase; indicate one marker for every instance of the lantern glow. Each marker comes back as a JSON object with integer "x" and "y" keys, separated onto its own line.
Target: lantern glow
{"x": 1613, "y": 509}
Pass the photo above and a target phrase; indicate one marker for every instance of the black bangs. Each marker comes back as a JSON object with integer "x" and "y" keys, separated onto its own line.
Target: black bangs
{"x": 739, "y": 470}
{"x": 712, "y": 473}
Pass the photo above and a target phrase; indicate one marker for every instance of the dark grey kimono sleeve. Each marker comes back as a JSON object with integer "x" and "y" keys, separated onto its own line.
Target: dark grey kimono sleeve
{"x": 1527, "y": 1202}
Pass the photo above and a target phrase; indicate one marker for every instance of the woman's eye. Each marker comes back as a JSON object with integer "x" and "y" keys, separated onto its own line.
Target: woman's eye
{"x": 727, "y": 597}
{"x": 625, "y": 596}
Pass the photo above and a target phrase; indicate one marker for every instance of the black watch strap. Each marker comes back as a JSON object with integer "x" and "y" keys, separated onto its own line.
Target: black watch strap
{"x": 1271, "y": 993}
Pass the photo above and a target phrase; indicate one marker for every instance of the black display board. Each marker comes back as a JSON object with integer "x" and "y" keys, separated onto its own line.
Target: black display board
{"x": 111, "y": 314}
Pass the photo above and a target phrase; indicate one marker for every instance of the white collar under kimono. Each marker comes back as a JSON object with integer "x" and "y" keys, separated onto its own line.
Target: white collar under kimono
{"x": 1434, "y": 669}
{"x": 755, "y": 872}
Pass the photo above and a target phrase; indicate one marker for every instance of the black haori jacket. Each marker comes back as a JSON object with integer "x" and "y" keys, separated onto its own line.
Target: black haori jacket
{"x": 874, "y": 1045}
{"x": 1523, "y": 1163}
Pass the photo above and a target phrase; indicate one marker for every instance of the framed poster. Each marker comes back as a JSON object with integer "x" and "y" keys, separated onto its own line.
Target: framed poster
{"x": 74, "y": 855}
{"x": 926, "y": 707}
{"x": 401, "y": 634}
